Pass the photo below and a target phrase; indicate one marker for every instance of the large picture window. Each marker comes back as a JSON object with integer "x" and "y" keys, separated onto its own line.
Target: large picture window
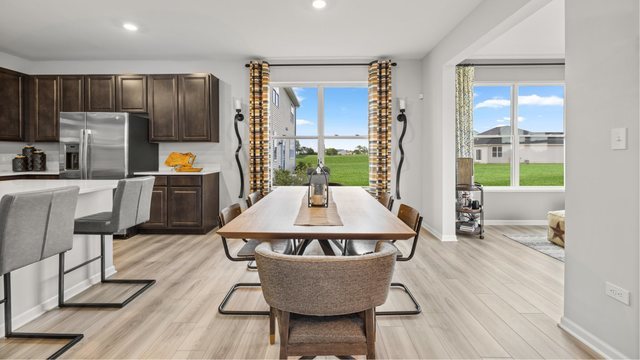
{"x": 331, "y": 124}
{"x": 519, "y": 134}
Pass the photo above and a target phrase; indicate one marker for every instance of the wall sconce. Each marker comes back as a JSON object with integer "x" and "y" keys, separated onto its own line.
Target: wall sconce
{"x": 237, "y": 118}
{"x": 402, "y": 105}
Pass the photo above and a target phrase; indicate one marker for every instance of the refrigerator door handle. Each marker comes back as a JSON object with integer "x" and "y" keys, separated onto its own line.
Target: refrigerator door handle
{"x": 82, "y": 155}
{"x": 87, "y": 157}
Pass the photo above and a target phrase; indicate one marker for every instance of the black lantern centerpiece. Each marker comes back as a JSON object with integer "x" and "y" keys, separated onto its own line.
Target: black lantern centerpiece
{"x": 318, "y": 191}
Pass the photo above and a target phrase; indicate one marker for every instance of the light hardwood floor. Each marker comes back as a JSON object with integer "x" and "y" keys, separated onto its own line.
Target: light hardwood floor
{"x": 491, "y": 298}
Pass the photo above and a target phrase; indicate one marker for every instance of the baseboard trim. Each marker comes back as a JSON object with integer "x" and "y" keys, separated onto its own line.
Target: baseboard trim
{"x": 36, "y": 311}
{"x": 591, "y": 341}
{"x": 438, "y": 235}
{"x": 515, "y": 222}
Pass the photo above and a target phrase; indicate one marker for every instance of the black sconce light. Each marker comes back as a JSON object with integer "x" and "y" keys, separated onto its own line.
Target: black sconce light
{"x": 239, "y": 117}
{"x": 402, "y": 105}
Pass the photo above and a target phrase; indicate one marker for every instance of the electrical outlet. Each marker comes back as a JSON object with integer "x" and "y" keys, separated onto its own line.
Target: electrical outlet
{"x": 617, "y": 293}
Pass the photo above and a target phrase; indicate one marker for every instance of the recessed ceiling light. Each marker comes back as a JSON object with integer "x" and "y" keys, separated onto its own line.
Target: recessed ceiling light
{"x": 319, "y": 4}
{"x": 130, "y": 26}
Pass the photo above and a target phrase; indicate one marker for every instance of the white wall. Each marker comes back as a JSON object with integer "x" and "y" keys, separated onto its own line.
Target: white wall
{"x": 602, "y": 79}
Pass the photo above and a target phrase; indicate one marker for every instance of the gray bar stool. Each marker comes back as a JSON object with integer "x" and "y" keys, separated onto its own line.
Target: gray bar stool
{"x": 35, "y": 226}
{"x": 131, "y": 207}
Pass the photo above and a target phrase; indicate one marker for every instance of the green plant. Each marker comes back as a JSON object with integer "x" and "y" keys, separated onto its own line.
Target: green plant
{"x": 284, "y": 177}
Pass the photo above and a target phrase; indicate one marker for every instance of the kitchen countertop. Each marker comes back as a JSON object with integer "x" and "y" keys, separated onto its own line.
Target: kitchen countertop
{"x": 86, "y": 186}
{"x": 167, "y": 171}
{"x": 27, "y": 173}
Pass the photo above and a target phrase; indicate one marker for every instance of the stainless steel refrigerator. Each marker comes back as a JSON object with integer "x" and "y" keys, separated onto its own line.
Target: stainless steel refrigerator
{"x": 101, "y": 145}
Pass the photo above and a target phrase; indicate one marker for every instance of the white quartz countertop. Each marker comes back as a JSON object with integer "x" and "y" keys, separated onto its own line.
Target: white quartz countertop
{"x": 86, "y": 186}
{"x": 27, "y": 173}
{"x": 168, "y": 171}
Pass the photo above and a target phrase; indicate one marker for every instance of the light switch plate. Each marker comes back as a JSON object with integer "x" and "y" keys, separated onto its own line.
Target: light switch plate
{"x": 619, "y": 139}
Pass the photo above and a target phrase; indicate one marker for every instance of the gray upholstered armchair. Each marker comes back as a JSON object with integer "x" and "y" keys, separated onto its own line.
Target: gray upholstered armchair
{"x": 325, "y": 305}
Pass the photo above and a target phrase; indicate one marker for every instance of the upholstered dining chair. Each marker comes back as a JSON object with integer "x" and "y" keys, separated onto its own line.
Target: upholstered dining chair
{"x": 253, "y": 198}
{"x": 34, "y": 226}
{"x": 325, "y": 305}
{"x": 246, "y": 253}
{"x": 412, "y": 218}
{"x": 131, "y": 207}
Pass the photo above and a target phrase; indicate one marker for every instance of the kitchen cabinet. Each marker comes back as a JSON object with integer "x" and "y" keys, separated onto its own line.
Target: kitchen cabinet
{"x": 12, "y": 105}
{"x": 198, "y": 107}
{"x": 183, "y": 204}
{"x": 163, "y": 107}
{"x": 100, "y": 93}
{"x": 71, "y": 93}
{"x": 44, "y": 110}
{"x": 131, "y": 93}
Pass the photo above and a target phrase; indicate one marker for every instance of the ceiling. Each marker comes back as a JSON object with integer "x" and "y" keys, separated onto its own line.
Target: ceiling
{"x": 540, "y": 36}
{"x": 204, "y": 29}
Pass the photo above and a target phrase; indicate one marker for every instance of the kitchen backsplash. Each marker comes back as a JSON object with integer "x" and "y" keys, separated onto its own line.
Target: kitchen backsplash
{"x": 8, "y": 151}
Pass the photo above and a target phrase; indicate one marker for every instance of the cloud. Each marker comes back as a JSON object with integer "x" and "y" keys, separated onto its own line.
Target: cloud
{"x": 303, "y": 122}
{"x": 540, "y": 100}
{"x": 494, "y": 103}
{"x": 507, "y": 119}
{"x": 298, "y": 91}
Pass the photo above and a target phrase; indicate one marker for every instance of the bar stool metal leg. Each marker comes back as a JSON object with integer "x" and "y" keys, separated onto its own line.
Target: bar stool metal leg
{"x": 61, "y": 302}
{"x": 10, "y": 334}
{"x": 404, "y": 288}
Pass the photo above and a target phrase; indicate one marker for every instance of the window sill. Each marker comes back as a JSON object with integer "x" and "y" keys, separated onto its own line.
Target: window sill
{"x": 524, "y": 189}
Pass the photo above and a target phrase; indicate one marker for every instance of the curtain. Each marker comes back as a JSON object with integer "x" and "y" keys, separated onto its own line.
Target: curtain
{"x": 380, "y": 121}
{"x": 464, "y": 111}
{"x": 259, "y": 127}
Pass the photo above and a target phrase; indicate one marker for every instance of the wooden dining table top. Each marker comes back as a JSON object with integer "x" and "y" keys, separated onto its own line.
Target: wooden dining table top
{"x": 273, "y": 217}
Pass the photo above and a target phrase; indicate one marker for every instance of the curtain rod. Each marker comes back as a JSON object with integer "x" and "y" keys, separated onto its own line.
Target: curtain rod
{"x": 516, "y": 64}
{"x": 326, "y": 64}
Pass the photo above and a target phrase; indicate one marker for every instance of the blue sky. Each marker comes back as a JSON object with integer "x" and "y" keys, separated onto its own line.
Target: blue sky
{"x": 540, "y": 108}
{"x": 345, "y": 113}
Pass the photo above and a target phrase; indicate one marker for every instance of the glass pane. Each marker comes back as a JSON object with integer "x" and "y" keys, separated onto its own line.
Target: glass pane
{"x": 293, "y": 111}
{"x": 348, "y": 161}
{"x": 541, "y": 161}
{"x": 491, "y": 109}
{"x": 492, "y": 165}
{"x": 288, "y": 157}
{"x": 346, "y": 111}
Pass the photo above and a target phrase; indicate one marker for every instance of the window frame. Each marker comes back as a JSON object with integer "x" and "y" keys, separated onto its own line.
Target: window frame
{"x": 515, "y": 136}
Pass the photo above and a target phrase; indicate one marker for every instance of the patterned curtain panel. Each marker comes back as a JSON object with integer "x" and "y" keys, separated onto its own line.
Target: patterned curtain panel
{"x": 464, "y": 111}
{"x": 259, "y": 127}
{"x": 380, "y": 121}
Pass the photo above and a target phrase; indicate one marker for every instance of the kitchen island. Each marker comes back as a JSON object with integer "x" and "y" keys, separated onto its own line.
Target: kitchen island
{"x": 35, "y": 287}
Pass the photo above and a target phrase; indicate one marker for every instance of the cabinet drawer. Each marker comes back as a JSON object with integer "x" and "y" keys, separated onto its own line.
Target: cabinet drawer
{"x": 161, "y": 181}
{"x": 185, "y": 180}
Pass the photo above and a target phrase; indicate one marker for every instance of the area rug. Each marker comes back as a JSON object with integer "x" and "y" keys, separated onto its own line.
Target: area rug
{"x": 539, "y": 243}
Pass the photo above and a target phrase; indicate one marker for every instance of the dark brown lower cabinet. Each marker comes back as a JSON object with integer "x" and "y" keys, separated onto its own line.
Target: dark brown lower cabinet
{"x": 183, "y": 204}
{"x": 29, "y": 177}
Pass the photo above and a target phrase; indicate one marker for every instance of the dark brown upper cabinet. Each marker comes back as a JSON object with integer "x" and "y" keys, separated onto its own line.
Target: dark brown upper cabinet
{"x": 131, "y": 93}
{"x": 12, "y": 105}
{"x": 44, "y": 111}
{"x": 163, "y": 107}
{"x": 71, "y": 93}
{"x": 194, "y": 106}
{"x": 100, "y": 93}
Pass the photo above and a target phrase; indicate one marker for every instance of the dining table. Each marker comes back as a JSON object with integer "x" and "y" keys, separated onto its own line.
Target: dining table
{"x": 361, "y": 217}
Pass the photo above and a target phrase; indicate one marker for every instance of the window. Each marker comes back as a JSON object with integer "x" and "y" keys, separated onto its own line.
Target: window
{"x": 496, "y": 151}
{"x": 331, "y": 124}
{"x": 275, "y": 97}
{"x": 523, "y": 127}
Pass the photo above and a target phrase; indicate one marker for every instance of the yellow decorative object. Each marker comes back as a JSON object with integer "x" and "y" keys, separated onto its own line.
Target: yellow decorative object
{"x": 182, "y": 162}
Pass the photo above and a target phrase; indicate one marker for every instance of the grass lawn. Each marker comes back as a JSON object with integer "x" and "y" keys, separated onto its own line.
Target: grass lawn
{"x": 530, "y": 174}
{"x": 351, "y": 170}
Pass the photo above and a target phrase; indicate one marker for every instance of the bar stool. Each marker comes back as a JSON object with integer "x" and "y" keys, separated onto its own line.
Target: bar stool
{"x": 34, "y": 226}
{"x": 131, "y": 207}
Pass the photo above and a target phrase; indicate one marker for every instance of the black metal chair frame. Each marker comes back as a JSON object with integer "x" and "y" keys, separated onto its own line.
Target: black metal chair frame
{"x": 61, "y": 302}
{"x": 10, "y": 334}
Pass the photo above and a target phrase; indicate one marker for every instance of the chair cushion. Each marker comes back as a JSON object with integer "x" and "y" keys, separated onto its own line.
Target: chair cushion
{"x": 249, "y": 248}
{"x": 362, "y": 247}
{"x": 305, "y": 329}
{"x": 100, "y": 223}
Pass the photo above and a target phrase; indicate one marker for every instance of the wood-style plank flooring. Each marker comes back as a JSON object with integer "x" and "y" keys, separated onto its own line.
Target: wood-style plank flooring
{"x": 491, "y": 298}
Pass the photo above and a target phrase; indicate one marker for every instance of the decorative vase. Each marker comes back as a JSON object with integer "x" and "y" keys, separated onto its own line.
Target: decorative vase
{"x": 39, "y": 160}
{"x": 19, "y": 163}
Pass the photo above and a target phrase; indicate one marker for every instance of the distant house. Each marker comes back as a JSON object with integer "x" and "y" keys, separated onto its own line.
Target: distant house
{"x": 282, "y": 122}
{"x": 494, "y": 146}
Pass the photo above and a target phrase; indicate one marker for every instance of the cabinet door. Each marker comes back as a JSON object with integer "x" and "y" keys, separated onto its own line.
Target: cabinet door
{"x": 71, "y": 93}
{"x": 215, "y": 109}
{"x": 185, "y": 207}
{"x": 11, "y": 105}
{"x": 100, "y": 93}
{"x": 163, "y": 107}
{"x": 131, "y": 93}
{"x": 158, "y": 216}
{"x": 195, "y": 122}
{"x": 45, "y": 111}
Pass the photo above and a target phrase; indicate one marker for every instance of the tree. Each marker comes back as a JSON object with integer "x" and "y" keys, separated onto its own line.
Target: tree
{"x": 360, "y": 150}
{"x": 331, "y": 151}
{"x": 298, "y": 147}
